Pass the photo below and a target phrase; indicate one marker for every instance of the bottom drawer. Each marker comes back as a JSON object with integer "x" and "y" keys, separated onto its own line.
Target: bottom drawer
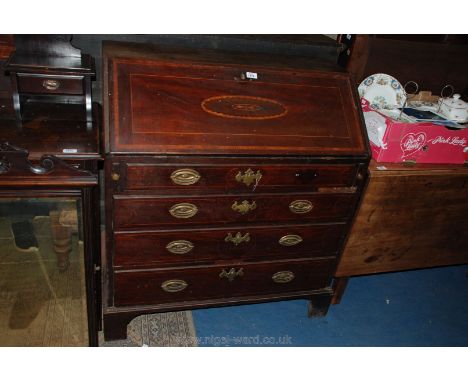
{"x": 235, "y": 279}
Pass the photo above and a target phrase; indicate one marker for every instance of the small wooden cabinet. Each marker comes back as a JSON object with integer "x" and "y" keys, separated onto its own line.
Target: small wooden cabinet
{"x": 52, "y": 289}
{"x": 229, "y": 179}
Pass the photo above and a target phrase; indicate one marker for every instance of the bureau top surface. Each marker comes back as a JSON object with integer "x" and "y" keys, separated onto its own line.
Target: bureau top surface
{"x": 179, "y": 101}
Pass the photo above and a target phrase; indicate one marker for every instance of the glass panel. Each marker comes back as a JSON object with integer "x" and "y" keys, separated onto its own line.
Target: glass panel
{"x": 42, "y": 275}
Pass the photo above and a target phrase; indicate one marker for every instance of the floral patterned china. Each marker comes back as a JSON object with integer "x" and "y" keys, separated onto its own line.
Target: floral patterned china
{"x": 382, "y": 91}
{"x": 454, "y": 108}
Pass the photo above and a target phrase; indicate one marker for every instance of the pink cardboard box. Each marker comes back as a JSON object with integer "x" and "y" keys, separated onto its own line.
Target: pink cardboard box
{"x": 422, "y": 142}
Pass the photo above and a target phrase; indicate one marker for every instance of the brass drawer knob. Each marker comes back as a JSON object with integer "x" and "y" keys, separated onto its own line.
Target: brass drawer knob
{"x": 173, "y": 286}
{"x": 300, "y": 206}
{"x": 238, "y": 238}
{"x": 249, "y": 177}
{"x": 51, "y": 84}
{"x": 244, "y": 207}
{"x": 185, "y": 176}
{"x": 183, "y": 210}
{"x": 283, "y": 277}
{"x": 180, "y": 247}
{"x": 115, "y": 177}
{"x": 290, "y": 240}
{"x": 231, "y": 274}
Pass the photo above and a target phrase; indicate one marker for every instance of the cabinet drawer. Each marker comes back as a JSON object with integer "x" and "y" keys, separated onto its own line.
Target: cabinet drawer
{"x": 50, "y": 84}
{"x": 166, "y": 248}
{"x": 187, "y": 178}
{"x": 236, "y": 279}
{"x": 134, "y": 212}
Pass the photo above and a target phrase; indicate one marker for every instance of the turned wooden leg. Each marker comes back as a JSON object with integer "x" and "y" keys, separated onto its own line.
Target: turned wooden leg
{"x": 318, "y": 305}
{"x": 62, "y": 239}
{"x": 115, "y": 325}
{"x": 339, "y": 287}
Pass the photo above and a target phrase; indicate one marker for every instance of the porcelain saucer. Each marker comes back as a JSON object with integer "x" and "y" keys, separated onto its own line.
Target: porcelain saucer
{"x": 382, "y": 91}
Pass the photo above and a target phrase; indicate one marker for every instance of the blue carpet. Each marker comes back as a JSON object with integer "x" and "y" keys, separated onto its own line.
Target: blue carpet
{"x": 415, "y": 308}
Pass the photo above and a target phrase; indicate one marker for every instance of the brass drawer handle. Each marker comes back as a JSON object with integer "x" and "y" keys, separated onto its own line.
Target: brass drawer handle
{"x": 244, "y": 207}
{"x": 51, "y": 84}
{"x": 185, "y": 176}
{"x": 232, "y": 274}
{"x": 183, "y": 210}
{"x": 239, "y": 238}
{"x": 300, "y": 206}
{"x": 249, "y": 177}
{"x": 173, "y": 286}
{"x": 290, "y": 240}
{"x": 115, "y": 177}
{"x": 283, "y": 277}
{"x": 180, "y": 247}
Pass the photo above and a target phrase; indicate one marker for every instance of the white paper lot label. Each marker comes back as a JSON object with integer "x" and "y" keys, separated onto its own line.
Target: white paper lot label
{"x": 251, "y": 75}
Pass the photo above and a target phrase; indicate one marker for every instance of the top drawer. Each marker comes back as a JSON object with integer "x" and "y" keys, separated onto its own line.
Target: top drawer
{"x": 46, "y": 84}
{"x": 198, "y": 178}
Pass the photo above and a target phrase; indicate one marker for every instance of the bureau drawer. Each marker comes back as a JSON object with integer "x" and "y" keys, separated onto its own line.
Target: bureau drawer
{"x": 166, "y": 248}
{"x": 50, "y": 84}
{"x": 187, "y": 178}
{"x": 135, "y": 212}
{"x": 237, "y": 279}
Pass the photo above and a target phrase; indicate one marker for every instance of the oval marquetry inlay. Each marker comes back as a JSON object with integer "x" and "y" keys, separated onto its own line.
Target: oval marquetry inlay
{"x": 244, "y": 107}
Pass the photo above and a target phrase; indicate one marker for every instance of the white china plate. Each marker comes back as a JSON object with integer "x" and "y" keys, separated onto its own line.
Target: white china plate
{"x": 382, "y": 91}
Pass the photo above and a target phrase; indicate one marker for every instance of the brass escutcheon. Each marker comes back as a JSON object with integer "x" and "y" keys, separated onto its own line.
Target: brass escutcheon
{"x": 249, "y": 177}
{"x": 300, "y": 206}
{"x": 180, "y": 247}
{"x": 185, "y": 176}
{"x": 239, "y": 238}
{"x": 290, "y": 240}
{"x": 173, "y": 286}
{"x": 51, "y": 84}
{"x": 183, "y": 210}
{"x": 232, "y": 274}
{"x": 283, "y": 277}
{"x": 244, "y": 207}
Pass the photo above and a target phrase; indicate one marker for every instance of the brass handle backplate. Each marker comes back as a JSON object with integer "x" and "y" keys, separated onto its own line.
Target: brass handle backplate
{"x": 173, "y": 286}
{"x": 300, "y": 206}
{"x": 231, "y": 274}
{"x": 180, "y": 247}
{"x": 51, "y": 84}
{"x": 239, "y": 238}
{"x": 249, "y": 177}
{"x": 185, "y": 176}
{"x": 183, "y": 210}
{"x": 283, "y": 277}
{"x": 290, "y": 240}
{"x": 244, "y": 207}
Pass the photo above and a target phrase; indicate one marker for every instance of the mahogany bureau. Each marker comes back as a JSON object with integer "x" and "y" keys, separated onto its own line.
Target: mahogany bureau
{"x": 230, "y": 178}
